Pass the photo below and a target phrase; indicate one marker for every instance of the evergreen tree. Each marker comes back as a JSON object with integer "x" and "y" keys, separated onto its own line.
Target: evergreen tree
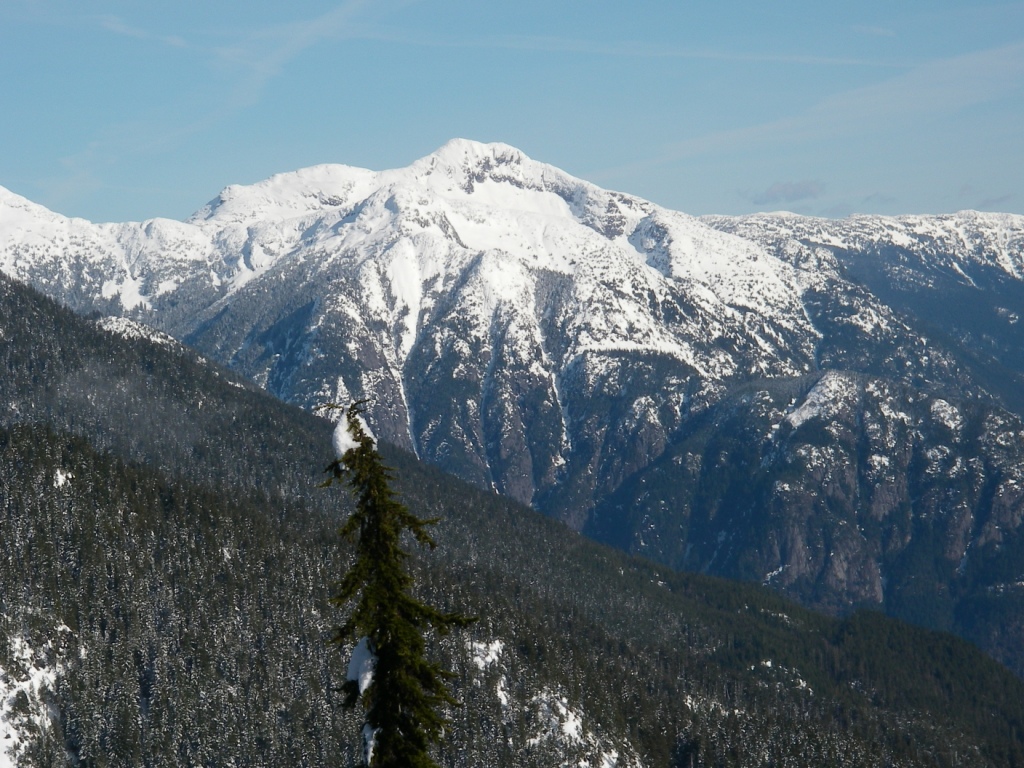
{"x": 402, "y": 692}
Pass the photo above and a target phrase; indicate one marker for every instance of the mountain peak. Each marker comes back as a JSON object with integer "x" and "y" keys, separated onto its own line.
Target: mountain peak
{"x": 318, "y": 188}
{"x": 16, "y": 210}
{"x": 468, "y": 163}
{"x": 466, "y": 153}
{"x": 288, "y": 195}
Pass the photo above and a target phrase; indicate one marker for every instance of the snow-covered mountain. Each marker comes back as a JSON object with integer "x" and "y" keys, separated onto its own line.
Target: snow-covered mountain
{"x": 573, "y": 347}
{"x": 483, "y": 300}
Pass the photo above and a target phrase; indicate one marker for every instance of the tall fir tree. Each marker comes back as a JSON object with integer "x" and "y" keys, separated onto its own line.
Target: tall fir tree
{"x": 402, "y": 692}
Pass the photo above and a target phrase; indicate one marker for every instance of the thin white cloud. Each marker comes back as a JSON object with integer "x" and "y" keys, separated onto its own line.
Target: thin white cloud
{"x": 878, "y": 199}
{"x": 620, "y": 48}
{"x": 995, "y": 202}
{"x": 119, "y": 26}
{"x": 936, "y": 88}
{"x": 256, "y": 58}
{"x": 263, "y": 54}
{"x": 788, "y": 192}
{"x": 257, "y": 55}
{"x": 874, "y": 31}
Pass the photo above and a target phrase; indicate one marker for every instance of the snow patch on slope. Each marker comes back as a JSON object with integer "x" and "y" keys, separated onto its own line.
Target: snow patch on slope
{"x": 484, "y": 655}
{"x": 825, "y": 399}
{"x": 561, "y": 724}
{"x": 130, "y": 329}
{"x": 26, "y": 685}
{"x": 947, "y": 414}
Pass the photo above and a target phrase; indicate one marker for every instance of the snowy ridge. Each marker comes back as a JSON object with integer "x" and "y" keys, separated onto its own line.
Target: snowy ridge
{"x": 130, "y": 329}
{"x": 112, "y": 266}
{"x": 420, "y": 226}
{"x": 957, "y": 240}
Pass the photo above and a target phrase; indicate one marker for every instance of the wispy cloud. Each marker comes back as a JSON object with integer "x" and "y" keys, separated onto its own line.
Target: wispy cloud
{"x": 249, "y": 63}
{"x": 256, "y": 56}
{"x": 639, "y": 49}
{"x": 618, "y": 48}
{"x": 838, "y": 210}
{"x": 877, "y": 200}
{"x": 263, "y": 54}
{"x": 936, "y": 88}
{"x": 787, "y": 192}
{"x": 119, "y": 26}
{"x": 874, "y": 31}
{"x": 995, "y": 202}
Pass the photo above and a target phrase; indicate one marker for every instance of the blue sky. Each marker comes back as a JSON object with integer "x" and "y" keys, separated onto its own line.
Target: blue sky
{"x": 118, "y": 110}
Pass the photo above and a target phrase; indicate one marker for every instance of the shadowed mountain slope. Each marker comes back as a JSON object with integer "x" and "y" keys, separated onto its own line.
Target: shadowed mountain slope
{"x": 163, "y": 601}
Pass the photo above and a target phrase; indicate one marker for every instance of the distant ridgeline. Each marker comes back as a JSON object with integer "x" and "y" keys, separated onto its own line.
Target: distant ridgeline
{"x": 831, "y": 408}
{"x": 167, "y": 561}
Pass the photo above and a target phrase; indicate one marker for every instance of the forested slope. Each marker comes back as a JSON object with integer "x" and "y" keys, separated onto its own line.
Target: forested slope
{"x": 167, "y": 557}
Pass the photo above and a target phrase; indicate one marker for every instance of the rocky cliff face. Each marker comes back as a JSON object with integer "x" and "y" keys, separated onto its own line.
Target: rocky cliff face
{"x": 842, "y": 490}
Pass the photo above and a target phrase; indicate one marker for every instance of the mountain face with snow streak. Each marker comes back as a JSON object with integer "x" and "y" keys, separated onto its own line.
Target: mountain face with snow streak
{"x": 576, "y": 349}
{"x": 956, "y": 277}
